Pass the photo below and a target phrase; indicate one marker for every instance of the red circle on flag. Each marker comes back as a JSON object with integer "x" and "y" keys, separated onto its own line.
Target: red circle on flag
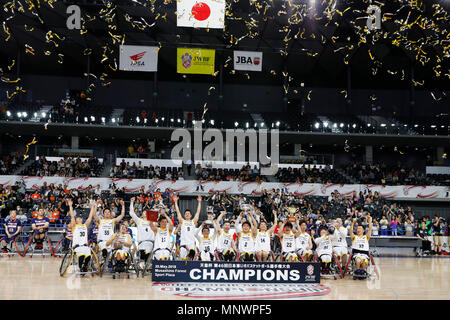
{"x": 201, "y": 11}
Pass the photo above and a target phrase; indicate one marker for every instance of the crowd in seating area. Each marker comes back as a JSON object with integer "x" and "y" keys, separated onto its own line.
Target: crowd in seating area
{"x": 10, "y": 163}
{"x": 65, "y": 167}
{"x": 380, "y": 173}
{"x": 246, "y": 173}
{"x": 139, "y": 171}
{"x": 310, "y": 175}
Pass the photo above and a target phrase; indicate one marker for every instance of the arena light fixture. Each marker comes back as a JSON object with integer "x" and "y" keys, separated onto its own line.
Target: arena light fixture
{"x": 172, "y": 120}
{"x": 278, "y": 123}
{"x": 35, "y": 114}
{"x": 354, "y": 125}
{"x": 368, "y": 124}
{"x": 145, "y": 120}
{"x": 193, "y": 121}
{"x": 433, "y": 126}
{"x": 19, "y": 114}
{"x": 138, "y": 120}
{"x": 261, "y": 124}
{"x": 178, "y": 120}
{"x": 92, "y": 118}
{"x": 236, "y": 124}
{"x": 156, "y": 120}
{"x": 416, "y": 125}
{"x": 8, "y": 113}
{"x": 316, "y": 125}
{"x": 392, "y": 124}
{"x": 325, "y": 124}
{"x": 85, "y": 119}
{"x": 383, "y": 125}
{"x": 43, "y": 114}
{"x": 341, "y": 125}
{"x": 335, "y": 125}
{"x": 211, "y": 122}
{"x": 24, "y": 114}
{"x": 247, "y": 124}
{"x": 162, "y": 119}
{"x": 103, "y": 119}
{"x": 113, "y": 120}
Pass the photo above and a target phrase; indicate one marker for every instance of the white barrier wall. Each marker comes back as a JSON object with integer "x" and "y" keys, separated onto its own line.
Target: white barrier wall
{"x": 212, "y": 164}
{"x": 437, "y": 170}
{"x": 100, "y": 160}
{"x": 236, "y": 187}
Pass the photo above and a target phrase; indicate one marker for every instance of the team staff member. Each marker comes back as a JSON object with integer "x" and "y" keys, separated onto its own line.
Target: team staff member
{"x": 13, "y": 226}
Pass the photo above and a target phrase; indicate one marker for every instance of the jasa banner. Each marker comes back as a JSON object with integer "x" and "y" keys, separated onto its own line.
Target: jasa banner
{"x": 138, "y": 58}
{"x": 198, "y": 61}
{"x": 235, "y": 272}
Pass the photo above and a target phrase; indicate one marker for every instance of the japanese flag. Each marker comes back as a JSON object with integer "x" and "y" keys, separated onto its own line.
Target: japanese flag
{"x": 201, "y": 13}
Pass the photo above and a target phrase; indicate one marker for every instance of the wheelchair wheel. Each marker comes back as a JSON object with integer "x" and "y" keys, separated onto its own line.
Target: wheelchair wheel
{"x": 94, "y": 264}
{"x": 19, "y": 246}
{"x": 147, "y": 266}
{"x": 104, "y": 264}
{"x": 66, "y": 263}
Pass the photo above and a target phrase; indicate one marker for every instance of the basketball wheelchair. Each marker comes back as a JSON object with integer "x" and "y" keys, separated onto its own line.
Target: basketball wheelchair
{"x": 15, "y": 247}
{"x": 70, "y": 264}
{"x": 110, "y": 264}
{"x": 330, "y": 270}
{"x": 371, "y": 269}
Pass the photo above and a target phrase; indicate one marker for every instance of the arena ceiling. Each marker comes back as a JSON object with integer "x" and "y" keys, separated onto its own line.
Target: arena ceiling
{"x": 304, "y": 41}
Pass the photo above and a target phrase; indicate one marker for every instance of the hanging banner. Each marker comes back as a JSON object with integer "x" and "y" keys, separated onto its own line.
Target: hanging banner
{"x": 138, "y": 58}
{"x": 248, "y": 60}
{"x": 197, "y": 61}
{"x": 201, "y": 14}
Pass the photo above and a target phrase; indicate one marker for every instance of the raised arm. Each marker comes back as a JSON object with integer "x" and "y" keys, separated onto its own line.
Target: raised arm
{"x": 169, "y": 221}
{"x": 217, "y": 221}
{"x": 91, "y": 214}
{"x": 72, "y": 216}
{"x": 280, "y": 231}
{"x": 199, "y": 208}
{"x": 253, "y": 224}
{"x": 177, "y": 209}
{"x": 352, "y": 235}
{"x": 132, "y": 214}
{"x": 369, "y": 233}
{"x": 275, "y": 222}
{"x": 96, "y": 218}
{"x": 122, "y": 213}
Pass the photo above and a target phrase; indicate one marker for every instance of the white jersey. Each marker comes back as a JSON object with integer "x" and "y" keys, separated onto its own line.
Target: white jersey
{"x": 338, "y": 238}
{"x": 224, "y": 240}
{"x": 288, "y": 242}
{"x": 206, "y": 245}
{"x": 105, "y": 229}
{"x": 162, "y": 239}
{"x": 324, "y": 245}
{"x": 262, "y": 241}
{"x": 187, "y": 237}
{"x": 302, "y": 240}
{"x": 246, "y": 242}
{"x": 360, "y": 243}
{"x": 144, "y": 231}
{"x": 123, "y": 237}
{"x": 80, "y": 236}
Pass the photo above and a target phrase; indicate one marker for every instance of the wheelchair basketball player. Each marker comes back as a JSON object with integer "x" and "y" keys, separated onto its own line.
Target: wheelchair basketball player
{"x": 360, "y": 248}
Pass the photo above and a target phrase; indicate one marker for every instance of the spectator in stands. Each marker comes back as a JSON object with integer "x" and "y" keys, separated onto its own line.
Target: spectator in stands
{"x": 384, "y": 223}
{"x": 409, "y": 227}
{"x": 393, "y": 224}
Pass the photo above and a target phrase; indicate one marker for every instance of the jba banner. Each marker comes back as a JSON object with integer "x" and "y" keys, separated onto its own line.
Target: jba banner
{"x": 138, "y": 58}
{"x": 248, "y": 60}
{"x": 235, "y": 272}
{"x": 198, "y": 61}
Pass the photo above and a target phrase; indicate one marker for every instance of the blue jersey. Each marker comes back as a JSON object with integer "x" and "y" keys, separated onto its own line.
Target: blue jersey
{"x": 40, "y": 222}
{"x": 12, "y": 225}
{"x": 93, "y": 233}
{"x": 68, "y": 232}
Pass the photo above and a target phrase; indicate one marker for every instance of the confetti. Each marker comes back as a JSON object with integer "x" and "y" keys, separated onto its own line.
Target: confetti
{"x": 26, "y": 156}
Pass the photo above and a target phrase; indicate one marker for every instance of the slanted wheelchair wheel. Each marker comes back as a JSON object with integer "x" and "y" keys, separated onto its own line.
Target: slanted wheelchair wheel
{"x": 147, "y": 267}
{"x": 104, "y": 264}
{"x": 95, "y": 264}
{"x": 20, "y": 246}
{"x": 66, "y": 263}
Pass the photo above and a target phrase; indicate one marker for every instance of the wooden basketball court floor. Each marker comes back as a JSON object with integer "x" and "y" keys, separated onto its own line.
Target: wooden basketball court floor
{"x": 400, "y": 278}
